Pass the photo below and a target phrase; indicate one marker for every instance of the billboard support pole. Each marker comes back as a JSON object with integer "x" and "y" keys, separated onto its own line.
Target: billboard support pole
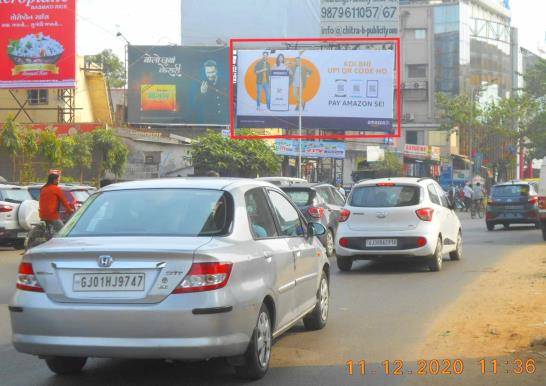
{"x": 300, "y": 92}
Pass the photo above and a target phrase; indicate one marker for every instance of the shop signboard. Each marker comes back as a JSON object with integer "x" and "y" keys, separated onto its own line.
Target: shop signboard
{"x": 310, "y": 149}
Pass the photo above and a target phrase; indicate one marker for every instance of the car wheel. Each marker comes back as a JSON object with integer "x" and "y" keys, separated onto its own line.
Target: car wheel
{"x": 435, "y": 261}
{"x": 330, "y": 248}
{"x": 490, "y": 226}
{"x": 258, "y": 353}
{"x": 506, "y": 226}
{"x": 19, "y": 244}
{"x": 544, "y": 232}
{"x": 344, "y": 263}
{"x": 317, "y": 319}
{"x": 457, "y": 254}
{"x": 538, "y": 225}
{"x": 65, "y": 365}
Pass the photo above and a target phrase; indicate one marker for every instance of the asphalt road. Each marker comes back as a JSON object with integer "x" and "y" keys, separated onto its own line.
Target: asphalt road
{"x": 379, "y": 311}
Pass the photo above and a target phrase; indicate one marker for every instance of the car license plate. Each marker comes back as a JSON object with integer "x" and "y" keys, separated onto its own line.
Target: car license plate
{"x": 514, "y": 207}
{"x": 375, "y": 243}
{"x": 22, "y": 235}
{"x": 84, "y": 282}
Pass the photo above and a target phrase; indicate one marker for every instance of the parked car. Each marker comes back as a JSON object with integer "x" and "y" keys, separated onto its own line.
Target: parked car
{"x": 173, "y": 269}
{"x": 514, "y": 202}
{"x": 18, "y": 213}
{"x": 76, "y": 195}
{"x": 401, "y": 217}
{"x": 318, "y": 202}
{"x": 542, "y": 198}
{"x": 278, "y": 181}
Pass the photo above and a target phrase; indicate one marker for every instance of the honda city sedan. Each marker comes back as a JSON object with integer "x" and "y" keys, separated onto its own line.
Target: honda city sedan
{"x": 178, "y": 269}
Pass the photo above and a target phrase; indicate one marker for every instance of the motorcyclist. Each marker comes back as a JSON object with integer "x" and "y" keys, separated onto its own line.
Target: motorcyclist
{"x": 50, "y": 198}
{"x": 478, "y": 195}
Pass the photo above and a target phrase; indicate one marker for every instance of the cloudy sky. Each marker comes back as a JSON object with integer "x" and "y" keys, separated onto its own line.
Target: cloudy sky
{"x": 158, "y": 22}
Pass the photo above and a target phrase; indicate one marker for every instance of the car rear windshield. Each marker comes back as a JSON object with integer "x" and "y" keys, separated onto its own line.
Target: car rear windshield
{"x": 385, "y": 196}
{"x": 510, "y": 191}
{"x": 80, "y": 195}
{"x": 15, "y": 195}
{"x": 153, "y": 212}
{"x": 300, "y": 197}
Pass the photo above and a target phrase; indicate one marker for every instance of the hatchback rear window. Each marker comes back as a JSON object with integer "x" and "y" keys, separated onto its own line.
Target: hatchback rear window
{"x": 385, "y": 196}
{"x": 300, "y": 197}
{"x": 153, "y": 212}
{"x": 15, "y": 195}
{"x": 80, "y": 195}
{"x": 510, "y": 191}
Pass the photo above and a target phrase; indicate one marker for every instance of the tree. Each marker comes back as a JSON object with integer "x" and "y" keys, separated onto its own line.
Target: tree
{"x": 111, "y": 152}
{"x": 28, "y": 150}
{"x": 390, "y": 166}
{"x": 535, "y": 80}
{"x": 82, "y": 151}
{"x": 49, "y": 146}
{"x": 234, "y": 158}
{"x": 112, "y": 66}
{"x": 9, "y": 141}
{"x": 535, "y": 87}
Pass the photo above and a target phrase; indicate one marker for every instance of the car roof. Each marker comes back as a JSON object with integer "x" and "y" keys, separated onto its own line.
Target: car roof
{"x": 10, "y": 186}
{"x": 514, "y": 182}
{"x": 212, "y": 183}
{"x": 396, "y": 180}
{"x": 308, "y": 185}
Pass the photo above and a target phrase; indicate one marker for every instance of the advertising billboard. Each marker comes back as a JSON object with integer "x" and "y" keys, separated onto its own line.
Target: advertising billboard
{"x": 310, "y": 149}
{"x": 177, "y": 85}
{"x": 38, "y": 44}
{"x": 340, "y": 90}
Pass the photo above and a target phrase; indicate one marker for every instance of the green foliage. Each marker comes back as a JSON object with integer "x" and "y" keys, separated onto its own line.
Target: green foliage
{"x": 49, "y": 147}
{"x": 457, "y": 112}
{"x": 535, "y": 87}
{"x": 82, "y": 152}
{"x": 9, "y": 141}
{"x": 233, "y": 158}
{"x": 112, "y": 66}
{"x": 28, "y": 151}
{"x": 111, "y": 151}
{"x": 390, "y": 166}
{"x": 535, "y": 80}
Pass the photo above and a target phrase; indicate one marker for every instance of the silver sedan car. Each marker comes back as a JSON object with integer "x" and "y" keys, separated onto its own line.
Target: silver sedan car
{"x": 173, "y": 269}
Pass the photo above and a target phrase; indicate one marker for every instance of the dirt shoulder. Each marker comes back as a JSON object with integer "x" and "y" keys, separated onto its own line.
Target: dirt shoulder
{"x": 502, "y": 312}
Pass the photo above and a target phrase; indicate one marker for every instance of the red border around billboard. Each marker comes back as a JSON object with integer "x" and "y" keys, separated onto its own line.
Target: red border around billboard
{"x": 395, "y": 40}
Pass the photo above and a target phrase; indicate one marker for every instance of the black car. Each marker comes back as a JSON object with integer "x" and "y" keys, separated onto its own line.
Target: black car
{"x": 319, "y": 203}
{"x": 513, "y": 202}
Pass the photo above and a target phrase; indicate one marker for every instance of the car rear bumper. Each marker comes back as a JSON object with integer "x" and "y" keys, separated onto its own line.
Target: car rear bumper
{"x": 527, "y": 217}
{"x": 404, "y": 249}
{"x": 166, "y": 330}
{"x": 12, "y": 235}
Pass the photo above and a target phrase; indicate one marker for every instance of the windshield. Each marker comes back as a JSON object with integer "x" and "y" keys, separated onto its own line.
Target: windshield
{"x": 80, "y": 195}
{"x": 510, "y": 191}
{"x": 300, "y": 197}
{"x": 385, "y": 196}
{"x": 153, "y": 212}
{"x": 15, "y": 195}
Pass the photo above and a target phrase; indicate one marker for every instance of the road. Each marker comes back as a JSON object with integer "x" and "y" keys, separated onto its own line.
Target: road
{"x": 379, "y": 311}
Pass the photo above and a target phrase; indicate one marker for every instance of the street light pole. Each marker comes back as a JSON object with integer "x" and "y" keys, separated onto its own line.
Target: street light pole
{"x": 127, "y": 44}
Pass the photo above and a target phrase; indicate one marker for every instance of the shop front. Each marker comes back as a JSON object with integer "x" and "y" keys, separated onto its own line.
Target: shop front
{"x": 422, "y": 161}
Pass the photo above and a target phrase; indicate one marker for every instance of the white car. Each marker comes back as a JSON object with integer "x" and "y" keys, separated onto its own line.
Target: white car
{"x": 18, "y": 213}
{"x": 398, "y": 217}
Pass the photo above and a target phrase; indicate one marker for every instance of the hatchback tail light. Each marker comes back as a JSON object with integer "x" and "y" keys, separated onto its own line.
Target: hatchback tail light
{"x": 533, "y": 200}
{"x": 425, "y": 214}
{"x": 421, "y": 242}
{"x": 542, "y": 202}
{"x": 5, "y": 208}
{"x": 316, "y": 212}
{"x": 344, "y": 242}
{"x": 344, "y": 215}
{"x": 205, "y": 277}
{"x": 26, "y": 279}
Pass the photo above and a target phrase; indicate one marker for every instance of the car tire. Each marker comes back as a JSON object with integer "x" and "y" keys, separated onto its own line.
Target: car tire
{"x": 544, "y": 232}
{"x": 258, "y": 353}
{"x": 19, "y": 245}
{"x": 436, "y": 260}
{"x": 538, "y": 225}
{"x": 490, "y": 226}
{"x": 506, "y": 226}
{"x": 316, "y": 319}
{"x": 65, "y": 365}
{"x": 329, "y": 243}
{"x": 344, "y": 263}
{"x": 457, "y": 254}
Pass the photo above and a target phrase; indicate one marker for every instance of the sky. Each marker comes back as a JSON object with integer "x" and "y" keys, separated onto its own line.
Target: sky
{"x": 158, "y": 22}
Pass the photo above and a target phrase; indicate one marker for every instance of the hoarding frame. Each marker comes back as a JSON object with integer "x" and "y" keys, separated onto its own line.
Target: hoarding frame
{"x": 398, "y": 67}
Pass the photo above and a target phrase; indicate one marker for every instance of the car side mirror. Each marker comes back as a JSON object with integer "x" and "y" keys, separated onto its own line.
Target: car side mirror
{"x": 316, "y": 229}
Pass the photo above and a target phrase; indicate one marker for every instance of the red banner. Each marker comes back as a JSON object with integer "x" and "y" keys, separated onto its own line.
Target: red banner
{"x": 65, "y": 128}
{"x": 37, "y": 43}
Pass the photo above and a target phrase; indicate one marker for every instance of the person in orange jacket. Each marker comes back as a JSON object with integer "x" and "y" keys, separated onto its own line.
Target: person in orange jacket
{"x": 50, "y": 198}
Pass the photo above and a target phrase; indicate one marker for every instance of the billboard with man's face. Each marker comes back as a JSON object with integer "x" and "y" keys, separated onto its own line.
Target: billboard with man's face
{"x": 178, "y": 85}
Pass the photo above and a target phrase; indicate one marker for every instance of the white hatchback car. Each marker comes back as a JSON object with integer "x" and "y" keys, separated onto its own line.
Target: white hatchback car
{"x": 398, "y": 217}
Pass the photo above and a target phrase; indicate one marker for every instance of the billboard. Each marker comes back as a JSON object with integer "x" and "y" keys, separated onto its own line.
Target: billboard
{"x": 340, "y": 90}
{"x": 38, "y": 44}
{"x": 310, "y": 149}
{"x": 177, "y": 85}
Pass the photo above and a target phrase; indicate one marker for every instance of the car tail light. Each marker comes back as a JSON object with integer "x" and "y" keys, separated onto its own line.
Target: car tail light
{"x": 386, "y": 184}
{"x": 26, "y": 280}
{"x": 533, "y": 200}
{"x": 542, "y": 202}
{"x": 205, "y": 277}
{"x": 344, "y": 242}
{"x": 425, "y": 214}
{"x": 421, "y": 242}
{"x": 5, "y": 208}
{"x": 316, "y": 212}
{"x": 344, "y": 215}
{"x": 489, "y": 215}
